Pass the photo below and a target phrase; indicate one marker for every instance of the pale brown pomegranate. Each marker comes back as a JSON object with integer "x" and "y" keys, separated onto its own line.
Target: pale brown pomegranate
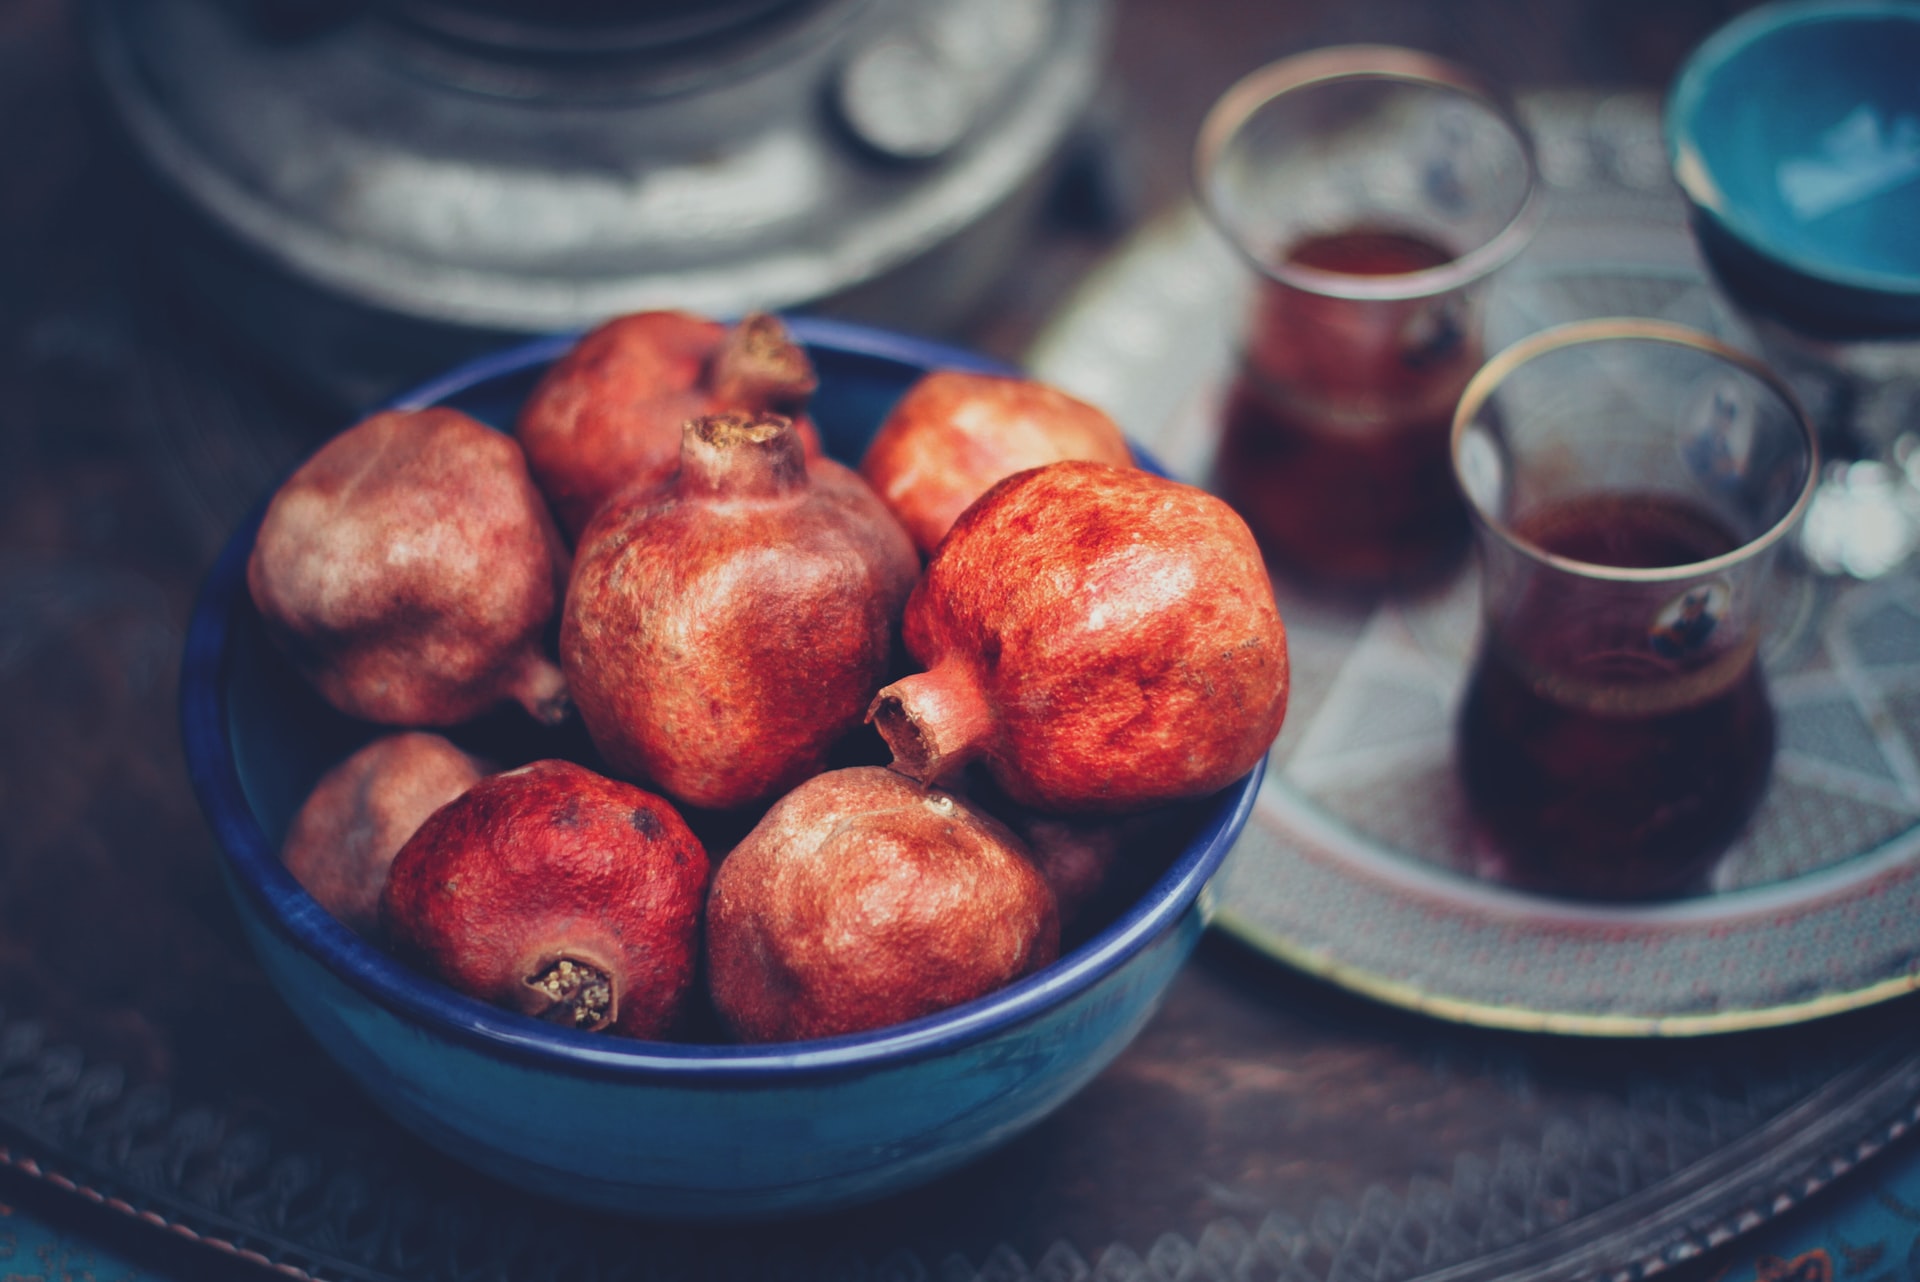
{"x": 724, "y": 629}
{"x": 608, "y": 414}
{"x": 556, "y": 892}
{"x": 410, "y": 569}
{"x": 861, "y": 900}
{"x": 346, "y": 833}
{"x": 955, "y": 433}
{"x": 1098, "y": 638}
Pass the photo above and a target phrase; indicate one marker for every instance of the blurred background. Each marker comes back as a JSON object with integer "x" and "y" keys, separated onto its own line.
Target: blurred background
{"x": 363, "y": 191}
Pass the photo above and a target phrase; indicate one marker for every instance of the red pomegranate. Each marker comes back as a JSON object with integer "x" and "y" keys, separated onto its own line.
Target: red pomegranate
{"x": 1096, "y": 864}
{"x": 862, "y": 899}
{"x": 609, "y": 412}
{"x": 1098, "y": 638}
{"x": 556, "y": 892}
{"x": 362, "y": 811}
{"x": 955, "y": 433}
{"x": 410, "y": 568}
{"x": 724, "y": 629}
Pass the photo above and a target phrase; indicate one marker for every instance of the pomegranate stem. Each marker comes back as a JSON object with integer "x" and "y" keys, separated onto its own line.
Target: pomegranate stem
{"x": 934, "y": 722}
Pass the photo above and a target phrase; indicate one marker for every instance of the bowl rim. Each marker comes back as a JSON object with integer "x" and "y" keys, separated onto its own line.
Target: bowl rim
{"x": 252, "y": 866}
{"x": 1714, "y": 55}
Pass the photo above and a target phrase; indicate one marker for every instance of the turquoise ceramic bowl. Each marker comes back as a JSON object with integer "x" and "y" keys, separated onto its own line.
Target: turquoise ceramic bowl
{"x": 1794, "y": 131}
{"x": 652, "y": 1128}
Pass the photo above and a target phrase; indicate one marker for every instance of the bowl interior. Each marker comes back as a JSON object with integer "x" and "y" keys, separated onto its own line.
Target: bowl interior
{"x": 257, "y": 738}
{"x": 1796, "y": 128}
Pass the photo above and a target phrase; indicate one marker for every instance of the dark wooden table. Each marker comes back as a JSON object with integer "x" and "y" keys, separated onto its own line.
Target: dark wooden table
{"x": 1263, "y": 1126}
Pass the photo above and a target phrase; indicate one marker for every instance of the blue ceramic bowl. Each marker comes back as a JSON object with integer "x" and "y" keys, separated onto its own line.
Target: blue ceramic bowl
{"x": 654, "y": 1128}
{"x": 1794, "y": 131}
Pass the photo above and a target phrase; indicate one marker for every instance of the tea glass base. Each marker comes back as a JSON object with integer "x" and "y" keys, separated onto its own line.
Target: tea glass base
{"x": 1599, "y": 808}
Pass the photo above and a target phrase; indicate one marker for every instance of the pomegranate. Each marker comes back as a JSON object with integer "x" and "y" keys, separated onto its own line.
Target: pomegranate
{"x": 1098, "y": 638}
{"x": 362, "y": 811}
{"x": 724, "y": 629}
{"x": 410, "y": 568}
{"x": 556, "y": 892}
{"x": 608, "y": 414}
{"x": 1096, "y": 864}
{"x": 955, "y": 433}
{"x": 862, "y": 899}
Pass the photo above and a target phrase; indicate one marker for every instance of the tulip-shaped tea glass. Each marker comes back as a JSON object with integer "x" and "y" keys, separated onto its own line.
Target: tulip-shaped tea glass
{"x": 1630, "y": 483}
{"x": 1374, "y": 189}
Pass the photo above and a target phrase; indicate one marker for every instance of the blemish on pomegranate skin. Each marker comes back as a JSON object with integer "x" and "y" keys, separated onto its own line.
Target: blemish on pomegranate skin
{"x": 644, "y": 822}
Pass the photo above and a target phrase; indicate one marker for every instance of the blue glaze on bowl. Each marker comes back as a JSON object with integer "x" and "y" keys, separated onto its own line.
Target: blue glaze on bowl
{"x": 1794, "y": 131}
{"x": 654, "y": 1128}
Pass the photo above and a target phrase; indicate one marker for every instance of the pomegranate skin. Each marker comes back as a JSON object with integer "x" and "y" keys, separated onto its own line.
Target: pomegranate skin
{"x": 1100, "y": 639}
{"x": 861, "y": 900}
{"x": 556, "y": 892}
{"x": 608, "y": 414}
{"x": 725, "y": 628}
{"x": 410, "y": 568}
{"x": 345, "y": 835}
{"x": 955, "y": 433}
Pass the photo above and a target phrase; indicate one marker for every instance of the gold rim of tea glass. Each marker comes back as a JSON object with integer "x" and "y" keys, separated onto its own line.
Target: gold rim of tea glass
{"x": 1367, "y": 62}
{"x": 1615, "y": 329}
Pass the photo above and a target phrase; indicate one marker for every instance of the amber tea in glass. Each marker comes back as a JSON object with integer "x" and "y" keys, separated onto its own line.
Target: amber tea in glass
{"x": 1374, "y": 190}
{"x": 1630, "y": 482}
